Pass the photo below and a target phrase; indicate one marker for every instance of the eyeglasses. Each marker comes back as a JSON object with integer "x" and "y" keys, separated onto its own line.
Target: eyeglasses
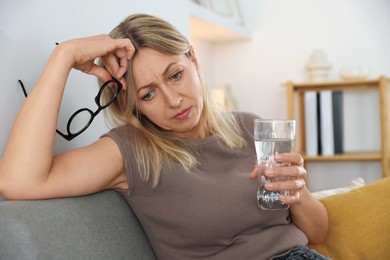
{"x": 111, "y": 88}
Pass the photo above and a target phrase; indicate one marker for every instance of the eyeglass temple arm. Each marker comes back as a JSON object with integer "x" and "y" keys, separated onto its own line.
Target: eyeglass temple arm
{"x": 23, "y": 88}
{"x": 66, "y": 137}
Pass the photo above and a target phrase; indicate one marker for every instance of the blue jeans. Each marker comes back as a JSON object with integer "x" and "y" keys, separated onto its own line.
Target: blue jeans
{"x": 302, "y": 253}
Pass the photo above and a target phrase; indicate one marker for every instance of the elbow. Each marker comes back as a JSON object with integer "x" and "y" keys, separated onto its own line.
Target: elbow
{"x": 324, "y": 233}
{"x": 319, "y": 236}
{"x": 2, "y": 195}
{"x": 321, "y": 226}
{"x": 14, "y": 189}
{"x": 5, "y": 190}
{"x": 9, "y": 193}
{"x": 317, "y": 239}
{"x": 9, "y": 189}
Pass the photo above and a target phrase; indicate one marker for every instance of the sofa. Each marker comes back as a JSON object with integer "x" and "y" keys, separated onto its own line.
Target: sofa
{"x": 102, "y": 226}
{"x": 99, "y": 226}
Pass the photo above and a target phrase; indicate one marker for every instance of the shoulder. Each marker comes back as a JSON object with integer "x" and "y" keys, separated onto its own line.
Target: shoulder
{"x": 122, "y": 137}
{"x": 119, "y": 133}
{"x": 246, "y": 119}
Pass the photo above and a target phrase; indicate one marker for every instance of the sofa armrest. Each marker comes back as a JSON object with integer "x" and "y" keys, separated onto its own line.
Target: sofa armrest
{"x": 359, "y": 225}
{"x": 98, "y": 226}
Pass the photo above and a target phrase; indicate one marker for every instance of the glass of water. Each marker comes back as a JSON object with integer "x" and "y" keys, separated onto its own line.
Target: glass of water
{"x": 272, "y": 137}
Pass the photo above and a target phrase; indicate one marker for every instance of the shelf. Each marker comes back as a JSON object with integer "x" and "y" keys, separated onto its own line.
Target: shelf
{"x": 207, "y": 25}
{"x": 335, "y": 85}
{"x": 368, "y": 156}
{"x": 296, "y": 110}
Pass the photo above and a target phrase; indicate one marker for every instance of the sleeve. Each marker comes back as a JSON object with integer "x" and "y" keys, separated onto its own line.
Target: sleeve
{"x": 121, "y": 136}
{"x": 246, "y": 120}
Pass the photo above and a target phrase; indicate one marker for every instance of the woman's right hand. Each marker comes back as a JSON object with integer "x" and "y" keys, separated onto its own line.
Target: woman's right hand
{"x": 114, "y": 54}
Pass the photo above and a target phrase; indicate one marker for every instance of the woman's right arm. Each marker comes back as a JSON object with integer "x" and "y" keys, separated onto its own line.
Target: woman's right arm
{"x": 28, "y": 164}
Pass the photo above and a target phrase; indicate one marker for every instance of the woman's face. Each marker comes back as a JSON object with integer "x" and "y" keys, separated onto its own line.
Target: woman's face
{"x": 169, "y": 91}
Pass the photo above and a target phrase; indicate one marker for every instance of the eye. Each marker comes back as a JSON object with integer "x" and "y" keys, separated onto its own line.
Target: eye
{"x": 177, "y": 76}
{"x": 148, "y": 96}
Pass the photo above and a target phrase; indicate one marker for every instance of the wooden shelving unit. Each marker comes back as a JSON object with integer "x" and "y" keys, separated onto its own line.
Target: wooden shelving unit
{"x": 296, "y": 110}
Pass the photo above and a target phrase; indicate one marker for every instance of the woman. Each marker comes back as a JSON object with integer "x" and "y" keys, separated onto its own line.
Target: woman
{"x": 181, "y": 162}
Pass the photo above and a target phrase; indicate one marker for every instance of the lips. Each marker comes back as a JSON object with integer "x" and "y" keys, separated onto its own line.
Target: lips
{"x": 183, "y": 114}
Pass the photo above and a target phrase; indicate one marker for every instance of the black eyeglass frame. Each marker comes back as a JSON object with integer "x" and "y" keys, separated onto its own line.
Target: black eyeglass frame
{"x": 69, "y": 136}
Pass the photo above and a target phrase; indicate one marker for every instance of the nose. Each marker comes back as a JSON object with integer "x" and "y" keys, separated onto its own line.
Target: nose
{"x": 173, "y": 98}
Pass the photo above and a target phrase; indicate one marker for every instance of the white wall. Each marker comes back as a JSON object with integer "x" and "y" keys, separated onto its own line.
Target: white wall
{"x": 28, "y": 32}
{"x": 286, "y": 32}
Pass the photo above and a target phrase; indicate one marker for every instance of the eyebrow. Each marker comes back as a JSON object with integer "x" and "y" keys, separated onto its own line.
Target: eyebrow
{"x": 164, "y": 73}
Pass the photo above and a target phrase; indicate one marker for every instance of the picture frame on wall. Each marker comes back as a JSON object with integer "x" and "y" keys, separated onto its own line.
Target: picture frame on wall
{"x": 229, "y": 9}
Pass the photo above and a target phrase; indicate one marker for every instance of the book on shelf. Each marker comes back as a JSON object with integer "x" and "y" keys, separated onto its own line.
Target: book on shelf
{"x": 311, "y": 119}
{"x": 324, "y": 123}
{"x": 319, "y": 124}
{"x": 326, "y": 135}
{"x": 337, "y": 101}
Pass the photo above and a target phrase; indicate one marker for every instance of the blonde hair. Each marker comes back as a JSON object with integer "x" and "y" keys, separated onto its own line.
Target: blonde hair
{"x": 153, "y": 145}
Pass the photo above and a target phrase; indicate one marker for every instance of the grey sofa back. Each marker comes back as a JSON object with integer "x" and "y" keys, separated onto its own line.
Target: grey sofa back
{"x": 98, "y": 226}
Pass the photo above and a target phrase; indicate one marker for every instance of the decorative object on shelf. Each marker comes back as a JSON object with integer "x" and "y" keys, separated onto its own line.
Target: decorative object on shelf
{"x": 318, "y": 66}
{"x": 354, "y": 72}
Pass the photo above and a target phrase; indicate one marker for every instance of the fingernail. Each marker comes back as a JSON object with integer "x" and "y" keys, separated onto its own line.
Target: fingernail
{"x": 269, "y": 185}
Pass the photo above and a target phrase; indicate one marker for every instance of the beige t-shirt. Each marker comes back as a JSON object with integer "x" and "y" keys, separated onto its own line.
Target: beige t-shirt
{"x": 211, "y": 212}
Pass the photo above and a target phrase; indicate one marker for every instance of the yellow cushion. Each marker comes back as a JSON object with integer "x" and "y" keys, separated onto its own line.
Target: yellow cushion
{"x": 359, "y": 223}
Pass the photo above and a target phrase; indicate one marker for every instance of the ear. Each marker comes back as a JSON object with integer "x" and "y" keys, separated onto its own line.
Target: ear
{"x": 193, "y": 57}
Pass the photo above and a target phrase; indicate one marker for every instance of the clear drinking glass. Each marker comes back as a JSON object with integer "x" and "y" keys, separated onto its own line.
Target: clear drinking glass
{"x": 272, "y": 137}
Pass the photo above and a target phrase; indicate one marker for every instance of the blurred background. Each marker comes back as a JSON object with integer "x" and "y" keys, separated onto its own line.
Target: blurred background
{"x": 248, "y": 49}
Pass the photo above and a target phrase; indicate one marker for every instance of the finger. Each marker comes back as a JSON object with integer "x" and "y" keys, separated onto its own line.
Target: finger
{"x": 122, "y": 80}
{"x": 255, "y": 172}
{"x": 116, "y": 64}
{"x": 100, "y": 72}
{"x": 294, "y": 171}
{"x": 128, "y": 46}
{"x": 124, "y": 55}
{"x": 110, "y": 45}
{"x": 123, "y": 65}
{"x": 291, "y": 185}
{"x": 125, "y": 46}
{"x": 292, "y": 158}
{"x": 120, "y": 74}
{"x": 292, "y": 199}
{"x": 110, "y": 62}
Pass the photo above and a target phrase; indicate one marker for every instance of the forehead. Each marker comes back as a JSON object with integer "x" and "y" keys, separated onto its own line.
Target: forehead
{"x": 148, "y": 62}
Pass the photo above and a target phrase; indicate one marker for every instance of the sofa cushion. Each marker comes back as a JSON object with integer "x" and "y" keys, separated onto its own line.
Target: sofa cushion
{"x": 359, "y": 223}
{"x": 98, "y": 226}
{"x": 354, "y": 184}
